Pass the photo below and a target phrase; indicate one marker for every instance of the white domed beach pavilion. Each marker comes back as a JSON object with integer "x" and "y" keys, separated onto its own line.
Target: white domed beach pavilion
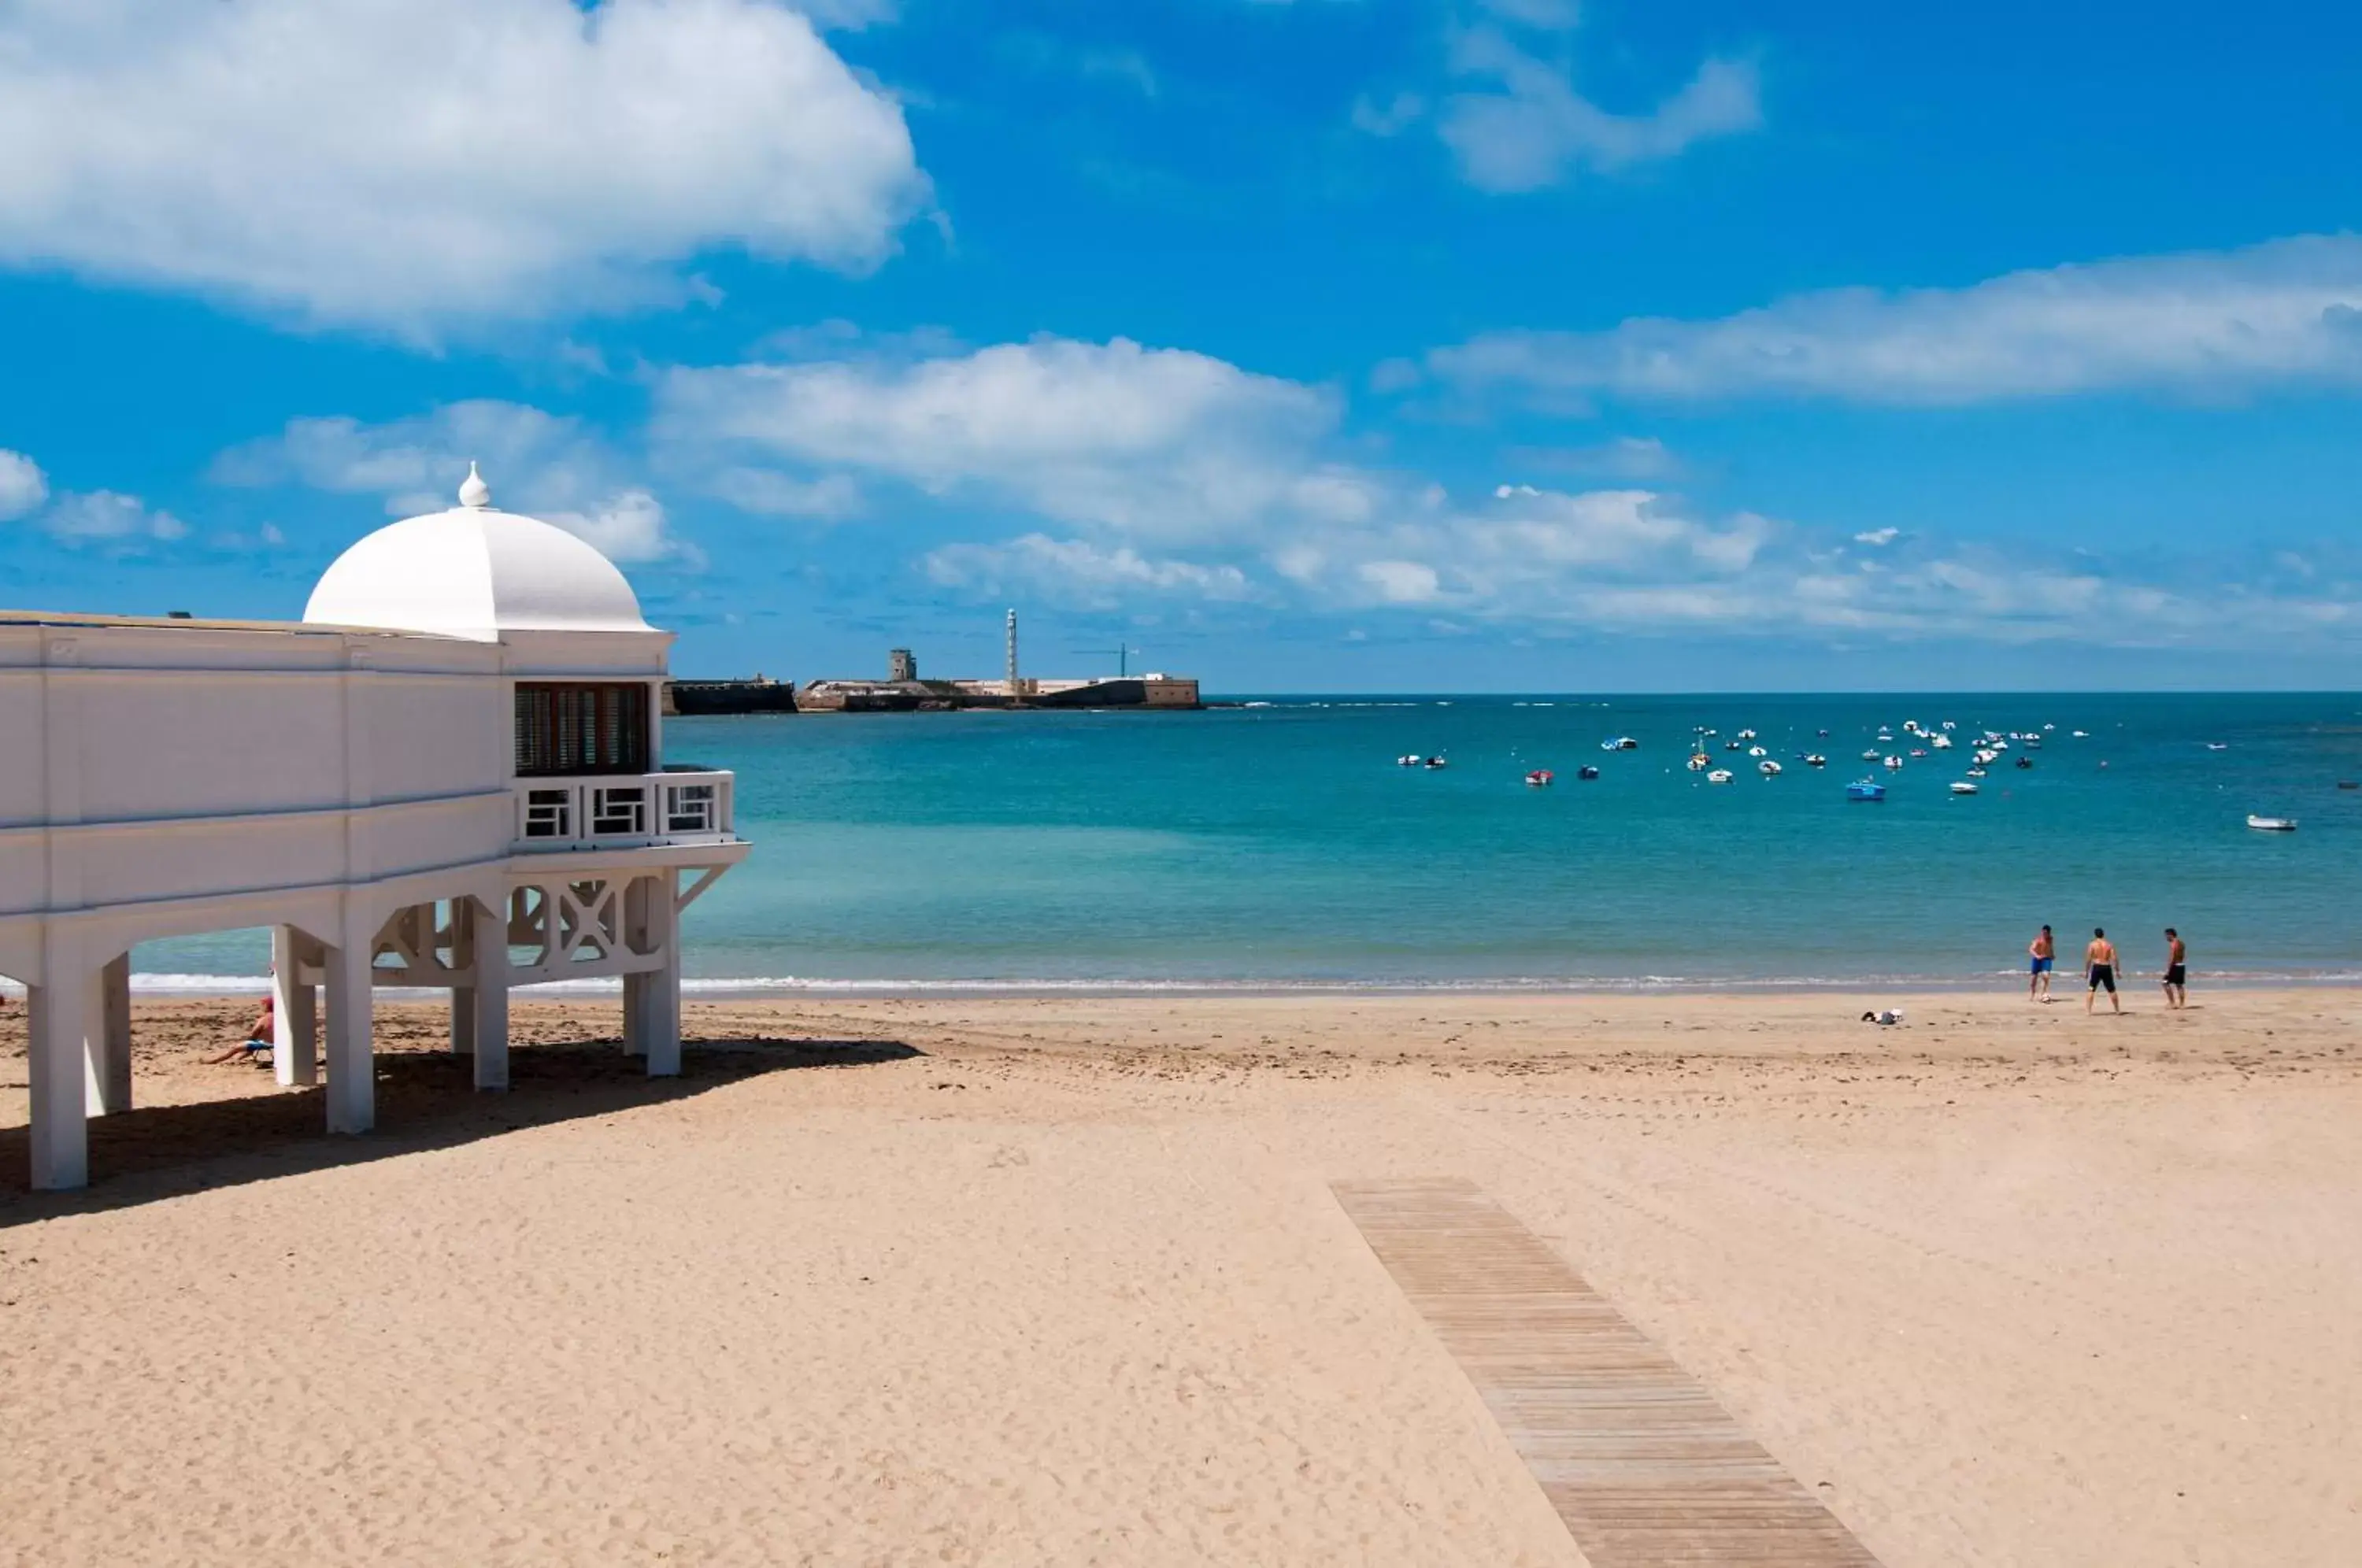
{"x": 449, "y": 774}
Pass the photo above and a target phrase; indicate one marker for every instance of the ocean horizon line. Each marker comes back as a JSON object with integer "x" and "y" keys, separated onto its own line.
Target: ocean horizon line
{"x": 754, "y": 987}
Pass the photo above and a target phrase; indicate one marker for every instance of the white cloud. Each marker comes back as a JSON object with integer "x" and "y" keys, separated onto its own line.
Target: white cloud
{"x": 767, "y": 492}
{"x": 2288, "y": 310}
{"x": 1400, "y": 583}
{"x": 1393, "y": 117}
{"x": 405, "y": 165}
{"x": 539, "y": 463}
{"x": 23, "y": 486}
{"x": 1632, "y": 457}
{"x": 108, "y": 514}
{"x": 1532, "y": 129}
{"x": 1110, "y": 436}
{"x": 1150, "y": 474}
{"x": 1079, "y": 572}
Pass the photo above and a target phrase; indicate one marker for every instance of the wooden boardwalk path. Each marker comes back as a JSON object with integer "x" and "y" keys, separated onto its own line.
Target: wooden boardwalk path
{"x": 1642, "y": 1463}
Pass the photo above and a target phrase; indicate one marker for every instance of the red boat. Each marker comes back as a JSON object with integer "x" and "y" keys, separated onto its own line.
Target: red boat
{"x": 1539, "y": 776}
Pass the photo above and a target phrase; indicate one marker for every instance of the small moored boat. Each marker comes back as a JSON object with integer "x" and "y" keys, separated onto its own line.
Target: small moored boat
{"x": 1865, "y": 789}
{"x": 1768, "y": 768}
{"x": 2271, "y": 824}
{"x": 1539, "y": 776}
{"x": 1719, "y": 775}
{"x": 1586, "y": 772}
{"x": 1815, "y": 759}
{"x": 1620, "y": 743}
{"x": 1962, "y": 787}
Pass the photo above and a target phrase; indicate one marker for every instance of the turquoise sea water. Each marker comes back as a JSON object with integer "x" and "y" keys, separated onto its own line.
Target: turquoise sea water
{"x": 1280, "y": 844}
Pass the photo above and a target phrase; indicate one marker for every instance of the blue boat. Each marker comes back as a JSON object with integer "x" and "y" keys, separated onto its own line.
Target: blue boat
{"x": 1865, "y": 789}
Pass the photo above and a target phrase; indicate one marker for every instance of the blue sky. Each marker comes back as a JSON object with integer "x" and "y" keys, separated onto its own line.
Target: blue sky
{"x": 1338, "y": 344}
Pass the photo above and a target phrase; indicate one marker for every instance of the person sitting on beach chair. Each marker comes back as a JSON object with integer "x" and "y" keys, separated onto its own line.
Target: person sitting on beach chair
{"x": 258, "y": 1038}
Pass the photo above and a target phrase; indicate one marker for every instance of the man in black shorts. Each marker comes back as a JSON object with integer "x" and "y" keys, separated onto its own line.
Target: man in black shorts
{"x": 2099, "y": 969}
{"x": 2176, "y": 970}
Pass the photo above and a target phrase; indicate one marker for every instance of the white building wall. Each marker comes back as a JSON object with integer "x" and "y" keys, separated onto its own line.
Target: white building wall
{"x": 160, "y": 779}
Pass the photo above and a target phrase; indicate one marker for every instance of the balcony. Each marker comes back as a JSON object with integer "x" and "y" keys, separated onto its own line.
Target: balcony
{"x": 626, "y": 811}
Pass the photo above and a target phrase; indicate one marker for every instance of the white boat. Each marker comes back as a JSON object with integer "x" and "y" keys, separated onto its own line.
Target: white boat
{"x": 1437, "y": 761}
{"x": 1896, "y": 763}
{"x": 1962, "y": 787}
{"x": 1621, "y": 742}
{"x": 1976, "y": 773}
{"x": 2082, "y": 734}
{"x": 1757, "y": 751}
{"x": 1413, "y": 760}
{"x": 1870, "y": 756}
{"x": 1699, "y": 762}
{"x": 2271, "y": 824}
{"x": 1815, "y": 759}
{"x": 1719, "y": 775}
{"x": 1747, "y": 734}
{"x": 1768, "y": 768}
{"x": 1940, "y": 742}
{"x": 2216, "y": 746}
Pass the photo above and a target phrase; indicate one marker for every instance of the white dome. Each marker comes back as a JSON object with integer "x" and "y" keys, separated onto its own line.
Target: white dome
{"x": 475, "y": 572}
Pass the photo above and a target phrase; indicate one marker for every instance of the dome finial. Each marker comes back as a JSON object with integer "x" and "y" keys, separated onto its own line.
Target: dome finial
{"x": 473, "y": 492}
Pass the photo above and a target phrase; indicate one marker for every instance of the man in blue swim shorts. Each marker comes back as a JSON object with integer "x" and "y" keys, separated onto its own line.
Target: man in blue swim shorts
{"x": 2042, "y": 954}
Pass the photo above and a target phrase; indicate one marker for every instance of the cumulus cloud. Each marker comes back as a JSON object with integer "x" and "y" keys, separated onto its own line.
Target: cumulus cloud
{"x": 23, "y": 486}
{"x": 543, "y": 464}
{"x": 1634, "y": 458}
{"x": 2287, "y": 311}
{"x": 1079, "y": 572}
{"x": 74, "y": 517}
{"x": 1158, "y": 475}
{"x": 1530, "y": 128}
{"x": 107, "y": 514}
{"x": 1112, "y": 435}
{"x": 403, "y": 166}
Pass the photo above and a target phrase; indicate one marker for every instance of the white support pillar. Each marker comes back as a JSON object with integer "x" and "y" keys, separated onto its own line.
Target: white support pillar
{"x": 107, "y": 1085}
{"x": 464, "y": 932}
{"x": 489, "y": 1021}
{"x": 295, "y": 1034}
{"x": 58, "y": 1020}
{"x": 636, "y": 898}
{"x": 661, "y": 988}
{"x": 352, "y": 1066}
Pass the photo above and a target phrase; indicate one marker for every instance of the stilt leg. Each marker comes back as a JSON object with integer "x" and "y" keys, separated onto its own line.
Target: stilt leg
{"x": 352, "y": 1066}
{"x": 295, "y": 1044}
{"x": 464, "y": 929}
{"x": 489, "y": 1001}
{"x": 108, "y": 1088}
{"x": 662, "y": 989}
{"x": 636, "y": 987}
{"x": 57, "y": 1014}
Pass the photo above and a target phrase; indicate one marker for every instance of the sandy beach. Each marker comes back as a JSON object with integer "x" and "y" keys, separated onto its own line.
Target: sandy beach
{"x": 1064, "y": 1281}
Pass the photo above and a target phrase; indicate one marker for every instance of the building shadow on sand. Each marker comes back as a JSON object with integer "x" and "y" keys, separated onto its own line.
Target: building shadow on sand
{"x": 425, "y": 1100}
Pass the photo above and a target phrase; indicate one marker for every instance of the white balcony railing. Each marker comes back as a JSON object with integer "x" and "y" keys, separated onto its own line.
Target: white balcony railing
{"x": 623, "y": 812}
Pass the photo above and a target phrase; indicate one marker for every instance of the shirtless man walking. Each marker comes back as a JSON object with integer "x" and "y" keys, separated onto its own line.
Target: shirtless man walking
{"x": 2042, "y": 953}
{"x": 2176, "y": 970}
{"x": 2099, "y": 969}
